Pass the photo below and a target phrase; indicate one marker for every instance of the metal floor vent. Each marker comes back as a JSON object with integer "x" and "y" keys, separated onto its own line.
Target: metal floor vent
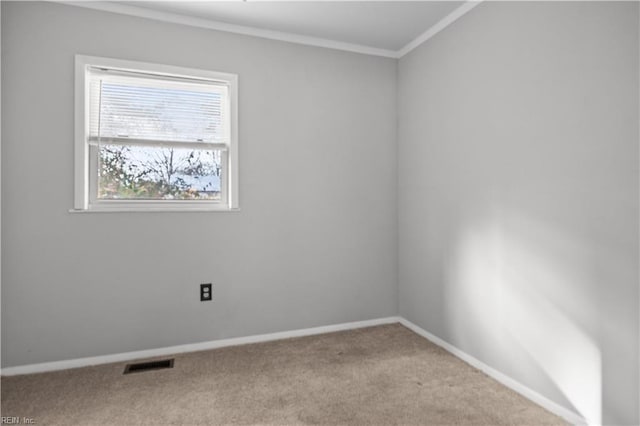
{"x": 147, "y": 366}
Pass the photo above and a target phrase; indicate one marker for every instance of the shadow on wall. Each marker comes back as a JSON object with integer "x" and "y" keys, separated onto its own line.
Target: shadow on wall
{"x": 514, "y": 282}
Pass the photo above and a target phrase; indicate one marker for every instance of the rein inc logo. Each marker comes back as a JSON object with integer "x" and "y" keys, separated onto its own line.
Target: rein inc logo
{"x": 6, "y": 420}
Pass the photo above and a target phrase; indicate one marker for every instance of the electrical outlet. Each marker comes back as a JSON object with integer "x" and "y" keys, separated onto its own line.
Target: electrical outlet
{"x": 205, "y": 292}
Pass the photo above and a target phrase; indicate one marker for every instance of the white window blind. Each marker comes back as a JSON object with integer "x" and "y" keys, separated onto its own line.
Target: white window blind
{"x": 139, "y": 108}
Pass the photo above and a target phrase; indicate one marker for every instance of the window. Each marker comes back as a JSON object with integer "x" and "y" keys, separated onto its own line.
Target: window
{"x": 154, "y": 137}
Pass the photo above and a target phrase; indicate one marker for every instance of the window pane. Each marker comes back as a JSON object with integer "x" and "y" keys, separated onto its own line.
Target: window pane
{"x": 158, "y": 173}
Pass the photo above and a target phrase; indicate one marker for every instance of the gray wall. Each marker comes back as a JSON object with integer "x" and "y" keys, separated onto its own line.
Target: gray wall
{"x": 315, "y": 241}
{"x": 518, "y": 196}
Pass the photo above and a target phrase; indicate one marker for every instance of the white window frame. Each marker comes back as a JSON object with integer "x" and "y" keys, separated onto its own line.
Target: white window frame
{"x": 85, "y": 156}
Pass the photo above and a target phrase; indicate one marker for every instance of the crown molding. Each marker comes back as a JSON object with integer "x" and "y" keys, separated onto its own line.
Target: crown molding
{"x": 175, "y": 18}
{"x": 439, "y": 26}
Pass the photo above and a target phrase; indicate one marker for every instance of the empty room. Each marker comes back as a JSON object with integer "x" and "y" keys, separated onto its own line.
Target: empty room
{"x": 320, "y": 212}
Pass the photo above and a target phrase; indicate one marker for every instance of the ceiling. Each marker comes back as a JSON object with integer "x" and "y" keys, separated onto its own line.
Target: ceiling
{"x": 372, "y": 27}
{"x": 388, "y": 25}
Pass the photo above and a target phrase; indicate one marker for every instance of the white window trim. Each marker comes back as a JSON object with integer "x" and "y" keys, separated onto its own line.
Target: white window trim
{"x": 81, "y": 155}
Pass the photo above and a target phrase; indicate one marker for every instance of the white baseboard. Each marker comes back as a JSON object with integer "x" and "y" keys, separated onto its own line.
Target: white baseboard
{"x": 507, "y": 381}
{"x": 530, "y": 394}
{"x": 192, "y": 347}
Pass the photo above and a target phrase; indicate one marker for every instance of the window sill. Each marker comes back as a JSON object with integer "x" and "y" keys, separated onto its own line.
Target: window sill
{"x": 157, "y": 210}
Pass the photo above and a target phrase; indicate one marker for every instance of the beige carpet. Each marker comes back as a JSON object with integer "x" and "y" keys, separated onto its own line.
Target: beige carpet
{"x": 379, "y": 375}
